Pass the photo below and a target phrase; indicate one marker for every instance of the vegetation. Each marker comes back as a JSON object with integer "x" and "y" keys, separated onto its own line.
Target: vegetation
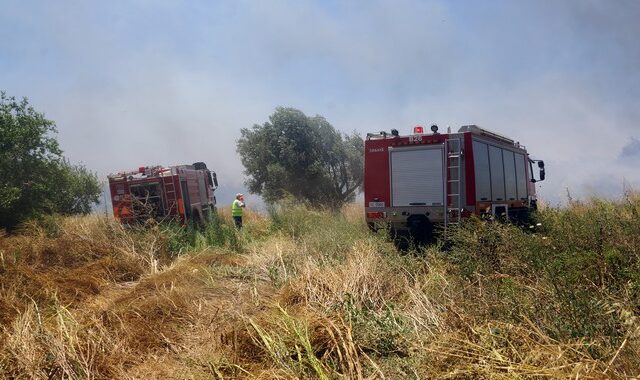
{"x": 310, "y": 294}
{"x": 304, "y": 157}
{"x": 35, "y": 179}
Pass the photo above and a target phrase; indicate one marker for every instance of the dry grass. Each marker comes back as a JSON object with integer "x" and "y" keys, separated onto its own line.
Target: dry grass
{"x": 307, "y": 294}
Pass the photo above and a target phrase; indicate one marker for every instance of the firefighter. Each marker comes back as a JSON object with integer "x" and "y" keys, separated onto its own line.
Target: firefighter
{"x": 236, "y": 210}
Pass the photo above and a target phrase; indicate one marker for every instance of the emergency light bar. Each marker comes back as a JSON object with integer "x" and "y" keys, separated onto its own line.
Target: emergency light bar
{"x": 418, "y": 130}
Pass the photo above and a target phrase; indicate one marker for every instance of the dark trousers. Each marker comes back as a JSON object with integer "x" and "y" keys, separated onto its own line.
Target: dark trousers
{"x": 238, "y": 221}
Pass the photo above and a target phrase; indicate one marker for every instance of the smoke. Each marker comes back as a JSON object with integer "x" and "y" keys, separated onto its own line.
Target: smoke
{"x": 137, "y": 83}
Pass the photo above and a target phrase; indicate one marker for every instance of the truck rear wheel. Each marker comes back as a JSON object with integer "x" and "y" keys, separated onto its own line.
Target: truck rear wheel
{"x": 420, "y": 230}
{"x": 418, "y": 234}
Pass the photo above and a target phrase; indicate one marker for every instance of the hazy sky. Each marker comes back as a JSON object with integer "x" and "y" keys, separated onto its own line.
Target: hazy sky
{"x": 166, "y": 82}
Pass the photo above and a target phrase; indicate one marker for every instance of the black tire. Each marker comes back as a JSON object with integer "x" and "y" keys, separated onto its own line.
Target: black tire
{"x": 421, "y": 230}
{"x": 199, "y": 165}
{"x": 196, "y": 218}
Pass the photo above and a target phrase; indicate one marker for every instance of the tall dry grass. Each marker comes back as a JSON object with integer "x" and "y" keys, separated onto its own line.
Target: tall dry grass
{"x": 310, "y": 294}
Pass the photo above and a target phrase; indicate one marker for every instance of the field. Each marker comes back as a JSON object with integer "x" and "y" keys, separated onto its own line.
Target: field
{"x": 313, "y": 294}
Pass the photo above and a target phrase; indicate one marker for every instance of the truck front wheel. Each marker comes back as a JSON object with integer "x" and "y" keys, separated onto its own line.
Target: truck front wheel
{"x": 197, "y": 219}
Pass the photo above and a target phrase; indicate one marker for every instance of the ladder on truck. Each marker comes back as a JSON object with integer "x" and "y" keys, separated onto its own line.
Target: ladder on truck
{"x": 169, "y": 188}
{"x": 453, "y": 204}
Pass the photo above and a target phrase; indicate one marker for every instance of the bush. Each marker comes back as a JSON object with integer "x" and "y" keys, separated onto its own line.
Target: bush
{"x": 571, "y": 275}
{"x": 35, "y": 178}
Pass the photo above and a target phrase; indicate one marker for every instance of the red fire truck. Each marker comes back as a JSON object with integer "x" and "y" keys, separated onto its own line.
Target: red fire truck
{"x": 421, "y": 183}
{"x": 183, "y": 192}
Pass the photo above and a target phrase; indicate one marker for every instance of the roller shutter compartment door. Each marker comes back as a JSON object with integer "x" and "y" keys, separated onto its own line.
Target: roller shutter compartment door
{"x": 497, "y": 174}
{"x": 510, "y": 176}
{"x": 417, "y": 177}
{"x": 482, "y": 171}
{"x": 521, "y": 176}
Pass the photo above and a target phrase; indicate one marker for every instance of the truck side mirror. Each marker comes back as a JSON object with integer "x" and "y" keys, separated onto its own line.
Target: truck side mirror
{"x": 541, "y": 167}
{"x": 214, "y": 178}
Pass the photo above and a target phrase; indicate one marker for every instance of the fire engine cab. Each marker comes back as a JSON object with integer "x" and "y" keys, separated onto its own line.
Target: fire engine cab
{"x": 183, "y": 192}
{"x": 421, "y": 183}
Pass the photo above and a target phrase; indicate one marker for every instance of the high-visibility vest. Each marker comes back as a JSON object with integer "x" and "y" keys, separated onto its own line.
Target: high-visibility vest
{"x": 236, "y": 208}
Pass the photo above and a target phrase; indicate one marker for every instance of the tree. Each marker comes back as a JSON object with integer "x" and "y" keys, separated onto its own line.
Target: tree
{"x": 302, "y": 156}
{"x": 35, "y": 178}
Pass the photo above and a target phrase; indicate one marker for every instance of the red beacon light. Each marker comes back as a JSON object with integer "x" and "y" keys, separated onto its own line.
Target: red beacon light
{"x": 418, "y": 129}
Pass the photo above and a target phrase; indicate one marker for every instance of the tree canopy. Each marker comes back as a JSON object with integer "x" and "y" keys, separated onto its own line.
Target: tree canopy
{"x": 35, "y": 178}
{"x": 305, "y": 157}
